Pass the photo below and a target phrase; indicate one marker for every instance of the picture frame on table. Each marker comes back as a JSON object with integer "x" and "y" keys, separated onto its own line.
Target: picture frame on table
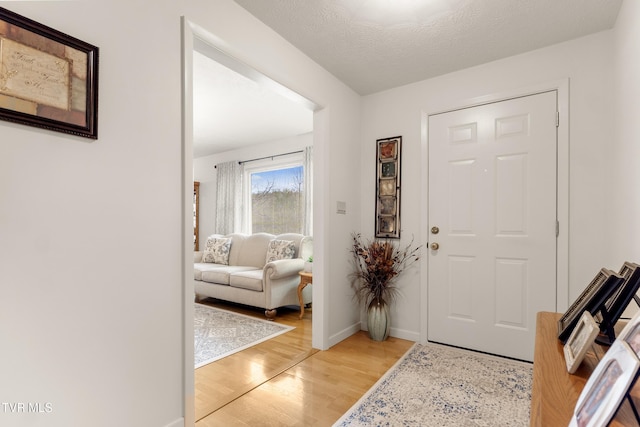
{"x": 607, "y": 386}
{"x": 592, "y": 299}
{"x": 617, "y": 303}
{"x": 48, "y": 79}
{"x": 631, "y": 334}
{"x": 578, "y": 343}
{"x": 388, "y": 175}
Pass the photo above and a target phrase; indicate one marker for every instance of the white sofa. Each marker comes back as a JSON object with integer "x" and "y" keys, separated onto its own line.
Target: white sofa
{"x": 248, "y": 278}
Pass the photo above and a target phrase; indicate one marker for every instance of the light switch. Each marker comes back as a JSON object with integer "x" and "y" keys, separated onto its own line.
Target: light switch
{"x": 341, "y": 208}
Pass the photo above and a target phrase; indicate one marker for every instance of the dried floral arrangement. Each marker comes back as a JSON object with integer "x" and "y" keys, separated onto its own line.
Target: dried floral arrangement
{"x": 378, "y": 263}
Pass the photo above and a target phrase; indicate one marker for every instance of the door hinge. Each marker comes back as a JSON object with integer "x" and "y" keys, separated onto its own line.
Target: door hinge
{"x": 557, "y": 228}
{"x": 557, "y": 118}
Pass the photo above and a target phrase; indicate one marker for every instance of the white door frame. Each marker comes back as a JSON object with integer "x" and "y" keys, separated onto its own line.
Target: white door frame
{"x": 562, "y": 194}
{"x": 321, "y": 129}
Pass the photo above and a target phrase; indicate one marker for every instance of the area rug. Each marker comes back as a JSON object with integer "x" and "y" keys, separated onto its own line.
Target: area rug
{"x": 219, "y": 333}
{"x": 436, "y": 385}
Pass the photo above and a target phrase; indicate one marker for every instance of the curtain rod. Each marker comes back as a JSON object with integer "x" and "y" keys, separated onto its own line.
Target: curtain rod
{"x": 267, "y": 157}
{"x": 270, "y": 157}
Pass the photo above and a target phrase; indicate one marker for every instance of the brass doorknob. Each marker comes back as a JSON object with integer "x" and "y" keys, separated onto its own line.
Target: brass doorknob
{"x": 435, "y": 246}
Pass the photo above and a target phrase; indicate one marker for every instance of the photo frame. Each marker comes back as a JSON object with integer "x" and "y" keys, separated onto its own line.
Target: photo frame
{"x": 592, "y": 299}
{"x": 607, "y": 386}
{"x": 618, "y": 302}
{"x": 388, "y": 157}
{"x": 48, "y": 79}
{"x": 631, "y": 334}
{"x": 581, "y": 338}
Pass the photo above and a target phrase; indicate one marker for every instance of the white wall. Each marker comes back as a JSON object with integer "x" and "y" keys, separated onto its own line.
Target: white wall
{"x": 204, "y": 172}
{"x": 587, "y": 63}
{"x": 84, "y": 325}
{"x": 621, "y": 223}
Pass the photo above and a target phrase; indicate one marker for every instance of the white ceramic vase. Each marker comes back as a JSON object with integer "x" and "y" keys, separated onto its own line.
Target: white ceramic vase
{"x": 378, "y": 320}
{"x": 308, "y": 266}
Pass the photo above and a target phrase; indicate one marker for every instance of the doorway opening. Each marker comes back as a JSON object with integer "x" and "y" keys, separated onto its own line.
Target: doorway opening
{"x": 198, "y": 42}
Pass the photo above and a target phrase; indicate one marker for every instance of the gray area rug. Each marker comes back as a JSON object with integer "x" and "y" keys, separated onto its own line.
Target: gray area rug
{"x": 219, "y": 333}
{"x": 436, "y": 385}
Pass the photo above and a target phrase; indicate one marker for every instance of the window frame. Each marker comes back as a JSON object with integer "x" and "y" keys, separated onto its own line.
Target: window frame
{"x": 264, "y": 165}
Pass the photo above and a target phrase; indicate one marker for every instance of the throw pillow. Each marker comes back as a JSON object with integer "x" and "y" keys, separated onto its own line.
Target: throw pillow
{"x": 280, "y": 249}
{"x": 217, "y": 250}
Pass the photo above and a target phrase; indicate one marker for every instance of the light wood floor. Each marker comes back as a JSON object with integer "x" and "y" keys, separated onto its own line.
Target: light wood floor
{"x": 284, "y": 382}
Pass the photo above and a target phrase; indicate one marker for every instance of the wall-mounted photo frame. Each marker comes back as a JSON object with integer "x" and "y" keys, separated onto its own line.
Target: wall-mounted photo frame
{"x": 581, "y": 338}
{"x": 607, "y": 386}
{"x": 388, "y": 167}
{"x": 48, "y": 79}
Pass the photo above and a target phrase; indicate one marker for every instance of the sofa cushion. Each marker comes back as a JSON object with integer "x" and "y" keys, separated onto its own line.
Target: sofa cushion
{"x": 254, "y": 250}
{"x": 221, "y": 275}
{"x": 251, "y": 280}
{"x": 200, "y": 267}
{"x": 280, "y": 249}
{"x": 217, "y": 250}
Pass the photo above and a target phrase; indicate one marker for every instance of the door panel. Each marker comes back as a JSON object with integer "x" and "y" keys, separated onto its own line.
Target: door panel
{"x": 492, "y": 194}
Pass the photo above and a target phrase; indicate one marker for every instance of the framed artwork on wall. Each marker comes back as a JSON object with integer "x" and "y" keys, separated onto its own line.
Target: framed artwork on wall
{"x": 388, "y": 187}
{"x": 47, "y": 78}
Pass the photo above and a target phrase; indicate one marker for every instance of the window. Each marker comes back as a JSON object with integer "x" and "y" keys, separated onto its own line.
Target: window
{"x": 276, "y": 202}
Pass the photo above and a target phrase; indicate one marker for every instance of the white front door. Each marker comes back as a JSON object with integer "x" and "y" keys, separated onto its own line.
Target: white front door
{"x": 492, "y": 221}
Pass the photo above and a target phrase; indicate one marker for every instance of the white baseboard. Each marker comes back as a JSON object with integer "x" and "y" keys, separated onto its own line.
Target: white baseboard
{"x": 177, "y": 423}
{"x": 405, "y": 334}
{"x": 344, "y": 334}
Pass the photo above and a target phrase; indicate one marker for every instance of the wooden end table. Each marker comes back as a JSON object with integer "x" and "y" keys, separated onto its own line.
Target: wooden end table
{"x": 305, "y": 279}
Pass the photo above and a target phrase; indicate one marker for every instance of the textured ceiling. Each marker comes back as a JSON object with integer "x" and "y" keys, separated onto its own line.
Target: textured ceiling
{"x": 373, "y": 45}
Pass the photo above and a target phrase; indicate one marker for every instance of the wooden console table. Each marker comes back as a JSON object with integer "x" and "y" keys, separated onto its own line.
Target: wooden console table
{"x": 555, "y": 391}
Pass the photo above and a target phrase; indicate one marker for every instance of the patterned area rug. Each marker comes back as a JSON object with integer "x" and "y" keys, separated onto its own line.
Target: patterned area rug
{"x": 219, "y": 333}
{"x": 436, "y": 385}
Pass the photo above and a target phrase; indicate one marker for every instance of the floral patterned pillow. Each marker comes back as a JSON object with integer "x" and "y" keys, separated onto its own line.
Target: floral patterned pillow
{"x": 217, "y": 250}
{"x": 280, "y": 249}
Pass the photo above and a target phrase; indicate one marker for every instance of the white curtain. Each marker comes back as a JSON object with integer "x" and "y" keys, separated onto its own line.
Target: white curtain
{"x": 229, "y": 198}
{"x": 308, "y": 191}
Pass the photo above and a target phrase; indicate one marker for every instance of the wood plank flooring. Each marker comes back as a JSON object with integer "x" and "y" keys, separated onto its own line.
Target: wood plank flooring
{"x": 284, "y": 382}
